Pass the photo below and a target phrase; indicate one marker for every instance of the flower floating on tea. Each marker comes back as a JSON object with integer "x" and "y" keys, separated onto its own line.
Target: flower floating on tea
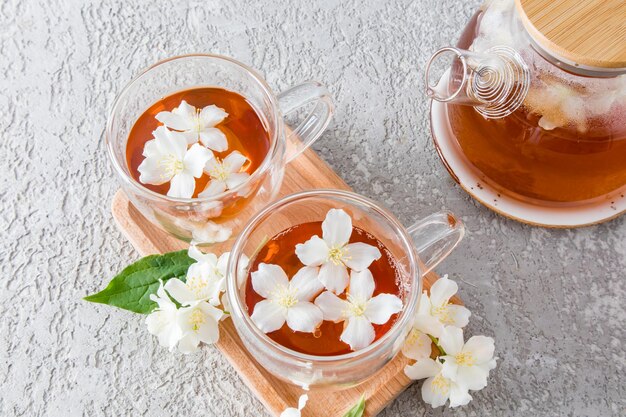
{"x": 296, "y": 412}
{"x": 224, "y": 174}
{"x": 197, "y": 124}
{"x": 334, "y": 254}
{"x": 435, "y": 311}
{"x": 460, "y": 367}
{"x": 359, "y": 310}
{"x": 286, "y": 300}
{"x": 169, "y": 160}
{"x": 437, "y": 389}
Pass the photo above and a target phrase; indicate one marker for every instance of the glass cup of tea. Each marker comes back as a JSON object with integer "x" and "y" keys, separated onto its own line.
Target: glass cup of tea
{"x": 254, "y": 129}
{"x": 306, "y": 362}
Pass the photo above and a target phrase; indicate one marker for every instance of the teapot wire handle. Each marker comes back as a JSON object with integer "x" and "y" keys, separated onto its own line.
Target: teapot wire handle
{"x": 494, "y": 82}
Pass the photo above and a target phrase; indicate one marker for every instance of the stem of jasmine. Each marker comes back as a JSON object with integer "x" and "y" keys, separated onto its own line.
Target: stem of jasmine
{"x": 436, "y": 342}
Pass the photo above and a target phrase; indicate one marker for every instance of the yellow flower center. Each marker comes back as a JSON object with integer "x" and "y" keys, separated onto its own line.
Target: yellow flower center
{"x": 443, "y": 314}
{"x": 414, "y": 339}
{"x": 336, "y": 255}
{"x": 441, "y": 384}
{"x": 465, "y": 359}
{"x": 356, "y": 307}
{"x": 197, "y": 285}
{"x": 196, "y": 319}
{"x": 286, "y": 297}
{"x": 171, "y": 165}
{"x": 220, "y": 171}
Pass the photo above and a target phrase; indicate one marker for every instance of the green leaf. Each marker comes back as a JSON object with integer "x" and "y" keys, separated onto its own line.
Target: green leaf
{"x": 131, "y": 288}
{"x": 358, "y": 409}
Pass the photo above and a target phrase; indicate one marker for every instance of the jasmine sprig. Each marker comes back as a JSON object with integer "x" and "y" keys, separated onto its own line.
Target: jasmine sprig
{"x": 181, "y": 292}
{"x": 459, "y": 366}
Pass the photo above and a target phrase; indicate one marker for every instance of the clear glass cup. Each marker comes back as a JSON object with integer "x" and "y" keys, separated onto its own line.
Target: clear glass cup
{"x": 416, "y": 249}
{"x": 215, "y": 219}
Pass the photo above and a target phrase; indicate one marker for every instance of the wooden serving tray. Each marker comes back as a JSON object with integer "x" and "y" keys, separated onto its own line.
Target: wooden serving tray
{"x": 307, "y": 171}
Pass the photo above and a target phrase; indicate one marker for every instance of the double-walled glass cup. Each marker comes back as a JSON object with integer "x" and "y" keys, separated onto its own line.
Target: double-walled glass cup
{"x": 215, "y": 219}
{"x": 416, "y": 250}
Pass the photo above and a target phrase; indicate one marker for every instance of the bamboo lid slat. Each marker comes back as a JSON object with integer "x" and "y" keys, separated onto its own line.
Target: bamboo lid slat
{"x": 589, "y": 33}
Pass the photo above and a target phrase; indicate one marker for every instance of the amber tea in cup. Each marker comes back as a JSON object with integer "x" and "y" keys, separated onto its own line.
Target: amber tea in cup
{"x": 326, "y": 339}
{"x": 243, "y": 128}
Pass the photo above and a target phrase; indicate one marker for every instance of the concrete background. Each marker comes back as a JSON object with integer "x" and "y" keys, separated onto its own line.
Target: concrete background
{"x": 553, "y": 299}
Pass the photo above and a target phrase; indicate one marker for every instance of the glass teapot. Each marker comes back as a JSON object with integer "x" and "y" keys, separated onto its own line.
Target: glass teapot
{"x": 529, "y": 109}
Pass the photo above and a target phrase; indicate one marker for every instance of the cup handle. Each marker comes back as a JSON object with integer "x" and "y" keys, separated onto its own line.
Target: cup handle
{"x": 435, "y": 236}
{"x": 310, "y": 129}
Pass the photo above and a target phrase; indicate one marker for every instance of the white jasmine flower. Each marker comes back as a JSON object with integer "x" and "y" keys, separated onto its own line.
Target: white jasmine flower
{"x": 434, "y": 312}
{"x": 468, "y": 363}
{"x": 205, "y": 280}
{"x": 334, "y": 254}
{"x": 163, "y": 321}
{"x": 417, "y": 345}
{"x": 199, "y": 323}
{"x": 437, "y": 389}
{"x": 224, "y": 174}
{"x": 296, "y": 412}
{"x": 286, "y": 300}
{"x": 196, "y": 124}
{"x": 168, "y": 159}
{"x": 359, "y": 310}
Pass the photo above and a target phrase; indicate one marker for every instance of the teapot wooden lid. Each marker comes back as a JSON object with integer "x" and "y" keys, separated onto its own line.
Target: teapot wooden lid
{"x": 588, "y": 33}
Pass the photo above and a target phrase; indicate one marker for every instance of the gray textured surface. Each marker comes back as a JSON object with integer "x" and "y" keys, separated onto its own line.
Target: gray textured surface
{"x": 554, "y": 300}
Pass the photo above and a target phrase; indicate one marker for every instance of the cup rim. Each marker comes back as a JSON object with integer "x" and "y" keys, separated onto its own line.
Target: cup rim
{"x": 403, "y": 321}
{"x": 261, "y": 169}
